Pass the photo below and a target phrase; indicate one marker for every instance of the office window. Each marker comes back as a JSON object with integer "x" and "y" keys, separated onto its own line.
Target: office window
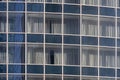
{"x": 53, "y": 77}
{"x": 118, "y": 3}
{"x": 3, "y": 77}
{"x": 16, "y": 53}
{"x": 71, "y": 24}
{"x": 89, "y": 78}
{"x": 34, "y": 77}
{"x": 53, "y": 23}
{"x": 107, "y": 57}
{"x": 107, "y": 42}
{"x": 35, "y": 0}
{"x": 118, "y": 58}
{"x": 111, "y": 3}
{"x": 16, "y": 22}
{"x": 2, "y": 22}
{"x": 71, "y": 78}
{"x": 89, "y": 56}
{"x": 118, "y": 27}
{"x": 71, "y": 9}
{"x": 53, "y": 54}
{"x": 72, "y": 1}
{"x": 3, "y": 68}
{"x": 71, "y": 55}
{"x": 35, "y": 54}
{"x": 3, "y": 38}
{"x": 89, "y": 25}
{"x": 2, "y": 53}
{"x": 56, "y": 1}
{"x": 16, "y": 77}
{"x": 90, "y": 2}
{"x": 107, "y": 27}
{"x": 35, "y": 23}
{"x": 107, "y": 78}
{"x": 3, "y": 6}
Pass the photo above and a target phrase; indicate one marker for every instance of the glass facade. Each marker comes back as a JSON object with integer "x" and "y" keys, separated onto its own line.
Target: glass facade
{"x": 59, "y": 39}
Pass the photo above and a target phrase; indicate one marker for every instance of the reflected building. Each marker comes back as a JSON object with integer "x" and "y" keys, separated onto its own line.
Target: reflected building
{"x": 59, "y": 39}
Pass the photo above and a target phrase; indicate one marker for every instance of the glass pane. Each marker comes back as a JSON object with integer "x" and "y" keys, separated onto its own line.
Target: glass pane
{"x": 16, "y": 7}
{"x": 89, "y": 56}
{"x": 53, "y": 23}
{"x": 35, "y": 54}
{"x": 71, "y": 78}
{"x": 36, "y": 69}
{"x": 111, "y": 3}
{"x": 2, "y": 22}
{"x": 89, "y": 71}
{"x": 56, "y": 1}
{"x": 71, "y": 55}
{"x": 16, "y": 77}
{"x": 89, "y": 25}
{"x": 53, "y": 54}
{"x": 3, "y": 6}
{"x": 71, "y": 9}
{"x": 107, "y": 41}
{"x": 107, "y": 72}
{"x": 118, "y": 3}
{"x": 107, "y": 27}
{"x": 34, "y": 77}
{"x": 16, "y": 53}
{"x": 53, "y": 77}
{"x": 71, "y": 24}
{"x": 106, "y": 79}
{"x": 2, "y": 53}
{"x": 90, "y": 2}
{"x": 3, "y": 77}
{"x": 2, "y": 68}
{"x": 118, "y": 27}
{"x": 72, "y": 1}
{"x": 107, "y": 57}
{"x": 118, "y": 58}
{"x": 16, "y": 22}
{"x": 35, "y": 0}
{"x": 35, "y": 7}
{"x": 118, "y": 72}
{"x": 2, "y": 37}
{"x": 70, "y": 70}
{"x": 16, "y": 69}
{"x": 53, "y": 70}
{"x": 89, "y": 78}
{"x": 53, "y": 8}
{"x": 35, "y": 23}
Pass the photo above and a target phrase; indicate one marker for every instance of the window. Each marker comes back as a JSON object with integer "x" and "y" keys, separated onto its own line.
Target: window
{"x": 71, "y": 55}
{"x": 118, "y": 27}
{"x": 2, "y": 22}
{"x": 34, "y": 77}
{"x": 53, "y": 23}
{"x": 18, "y": 77}
{"x": 56, "y": 1}
{"x": 106, "y": 79}
{"x": 118, "y": 58}
{"x": 3, "y": 6}
{"x": 2, "y": 53}
{"x": 71, "y": 24}
{"x": 71, "y": 9}
{"x": 107, "y": 42}
{"x": 89, "y": 78}
{"x": 53, "y": 77}
{"x": 35, "y": 0}
{"x": 89, "y": 25}
{"x": 53, "y": 54}
{"x": 71, "y": 78}
{"x": 72, "y": 1}
{"x": 111, "y": 3}
{"x": 107, "y": 27}
{"x": 107, "y": 57}
{"x": 35, "y": 23}
{"x": 3, "y": 38}
{"x": 90, "y": 2}
{"x": 35, "y": 54}
{"x": 89, "y": 56}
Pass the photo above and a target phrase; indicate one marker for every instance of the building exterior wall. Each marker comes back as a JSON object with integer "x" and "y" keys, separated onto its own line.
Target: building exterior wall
{"x": 60, "y": 40}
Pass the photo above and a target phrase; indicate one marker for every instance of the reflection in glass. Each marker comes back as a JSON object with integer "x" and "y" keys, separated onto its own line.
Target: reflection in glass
{"x": 71, "y": 55}
{"x": 16, "y": 22}
{"x": 16, "y": 53}
{"x": 71, "y": 24}
{"x": 53, "y": 54}
{"x": 35, "y": 23}
{"x": 35, "y": 54}
{"x": 2, "y": 22}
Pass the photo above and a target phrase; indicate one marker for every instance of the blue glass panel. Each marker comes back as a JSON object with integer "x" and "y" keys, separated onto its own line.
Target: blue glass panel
{"x": 2, "y": 68}
{"x": 16, "y": 22}
{"x": 16, "y": 7}
{"x": 118, "y": 72}
{"x": 71, "y": 8}
{"x": 3, "y": 7}
{"x": 16, "y": 53}
{"x": 34, "y": 38}
{"x": 53, "y": 69}
{"x": 3, "y": 77}
{"x": 72, "y": 1}
{"x": 89, "y": 71}
{"x": 71, "y": 70}
{"x": 35, "y": 7}
{"x": 107, "y": 11}
{"x": 107, "y": 42}
{"x": 37, "y": 69}
{"x": 16, "y": 69}
{"x": 53, "y": 38}
{"x": 89, "y": 40}
{"x": 107, "y": 72}
{"x": 16, "y": 77}
{"x": 118, "y": 12}
{"x": 53, "y": 8}
{"x": 16, "y": 37}
{"x": 89, "y": 10}
{"x": 72, "y": 39}
{"x": 118, "y": 42}
{"x": 2, "y": 37}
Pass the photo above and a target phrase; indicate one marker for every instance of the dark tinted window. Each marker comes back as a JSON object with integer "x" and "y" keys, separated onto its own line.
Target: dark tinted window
{"x": 2, "y": 37}
{"x": 71, "y": 8}
{"x": 72, "y": 39}
{"x": 16, "y": 7}
{"x": 3, "y": 7}
{"x": 2, "y": 68}
{"x": 107, "y": 42}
